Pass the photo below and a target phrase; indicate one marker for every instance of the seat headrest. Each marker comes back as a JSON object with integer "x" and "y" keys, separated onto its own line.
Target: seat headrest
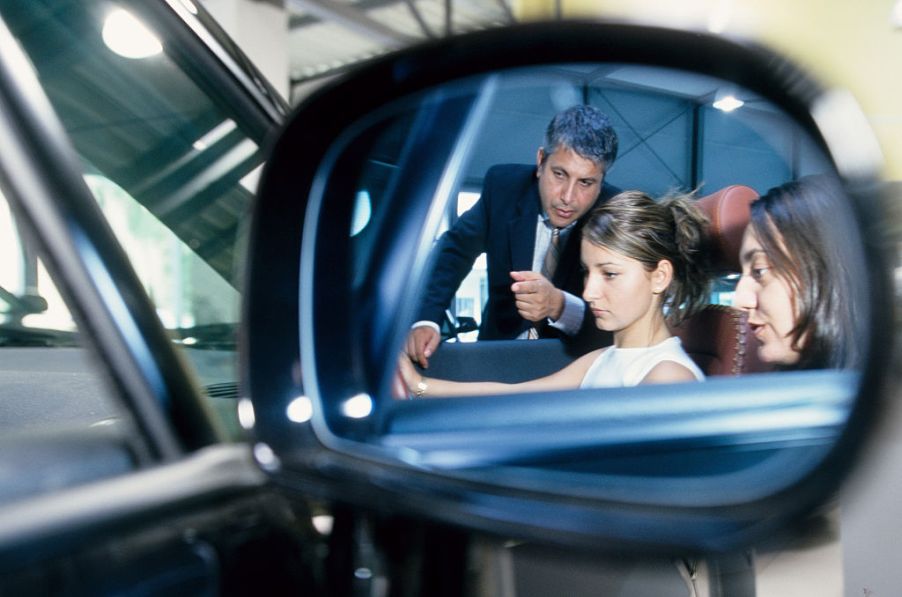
{"x": 728, "y": 210}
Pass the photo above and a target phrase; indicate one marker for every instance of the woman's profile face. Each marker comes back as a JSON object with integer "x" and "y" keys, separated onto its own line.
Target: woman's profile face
{"x": 619, "y": 290}
{"x": 768, "y": 299}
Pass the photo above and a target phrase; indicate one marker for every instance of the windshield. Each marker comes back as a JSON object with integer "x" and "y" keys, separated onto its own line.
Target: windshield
{"x": 171, "y": 161}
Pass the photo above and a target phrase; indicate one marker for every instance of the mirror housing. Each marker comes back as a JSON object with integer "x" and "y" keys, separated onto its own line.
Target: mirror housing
{"x": 303, "y": 348}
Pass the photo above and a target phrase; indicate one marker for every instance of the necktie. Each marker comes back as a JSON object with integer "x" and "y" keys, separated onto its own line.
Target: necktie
{"x": 552, "y": 255}
{"x": 549, "y": 265}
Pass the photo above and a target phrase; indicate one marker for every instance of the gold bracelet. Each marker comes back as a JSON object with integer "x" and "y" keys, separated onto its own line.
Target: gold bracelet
{"x": 422, "y": 386}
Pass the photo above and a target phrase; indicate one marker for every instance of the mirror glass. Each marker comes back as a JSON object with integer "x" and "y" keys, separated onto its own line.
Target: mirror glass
{"x": 698, "y": 350}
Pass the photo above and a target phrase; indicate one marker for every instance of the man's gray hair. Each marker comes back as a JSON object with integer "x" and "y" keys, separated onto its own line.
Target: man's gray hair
{"x": 587, "y": 131}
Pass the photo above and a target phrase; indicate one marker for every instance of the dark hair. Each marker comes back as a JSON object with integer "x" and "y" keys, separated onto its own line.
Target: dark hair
{"x": 789, "y": 221}
{"x": 587, "y": 131}
{"x": 635, "y": 225}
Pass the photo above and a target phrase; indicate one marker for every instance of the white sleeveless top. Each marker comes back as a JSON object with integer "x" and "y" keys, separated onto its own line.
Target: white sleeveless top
{"x": 621, "y": 367}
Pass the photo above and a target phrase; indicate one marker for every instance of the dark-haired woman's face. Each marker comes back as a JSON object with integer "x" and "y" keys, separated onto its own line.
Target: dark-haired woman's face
{"x": 768, "y": 299}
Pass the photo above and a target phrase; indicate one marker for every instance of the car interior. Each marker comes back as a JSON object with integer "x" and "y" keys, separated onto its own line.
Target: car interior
{"x": 717, "y": 338}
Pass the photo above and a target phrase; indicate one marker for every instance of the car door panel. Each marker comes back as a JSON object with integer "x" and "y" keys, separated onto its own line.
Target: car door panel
{"x": 204, "y": 525}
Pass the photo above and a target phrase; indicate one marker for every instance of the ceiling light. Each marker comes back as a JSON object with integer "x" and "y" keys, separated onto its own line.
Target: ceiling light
{"x": 728, "y": 103}
{"x": 129, "y": 37}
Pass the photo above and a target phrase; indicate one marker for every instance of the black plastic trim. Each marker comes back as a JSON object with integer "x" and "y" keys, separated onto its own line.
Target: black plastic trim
{"x": 41, "y": 527}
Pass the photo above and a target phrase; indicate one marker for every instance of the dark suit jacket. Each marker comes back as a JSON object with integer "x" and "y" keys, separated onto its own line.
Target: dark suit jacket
{"x": 502, "y": 224}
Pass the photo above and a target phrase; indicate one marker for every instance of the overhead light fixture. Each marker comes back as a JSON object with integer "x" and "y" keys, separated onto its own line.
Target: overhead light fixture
{"x": 124, "y": 34}
{"x": 728, "y": 103}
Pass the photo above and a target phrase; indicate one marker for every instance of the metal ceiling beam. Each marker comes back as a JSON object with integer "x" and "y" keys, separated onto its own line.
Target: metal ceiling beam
{"x": 419, "y": 18}
{"x": 296, "y": 21}
{"x": 349, "y": 17}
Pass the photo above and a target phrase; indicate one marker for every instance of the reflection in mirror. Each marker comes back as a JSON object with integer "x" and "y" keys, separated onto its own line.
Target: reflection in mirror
{"x": 668, "y": 245}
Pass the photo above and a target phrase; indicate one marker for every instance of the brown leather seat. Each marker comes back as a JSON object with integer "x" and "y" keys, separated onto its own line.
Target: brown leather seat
{"x": 718, "y": 338}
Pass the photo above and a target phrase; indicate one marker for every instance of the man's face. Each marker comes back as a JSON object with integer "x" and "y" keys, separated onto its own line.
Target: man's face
{"x": 568, "y": 184}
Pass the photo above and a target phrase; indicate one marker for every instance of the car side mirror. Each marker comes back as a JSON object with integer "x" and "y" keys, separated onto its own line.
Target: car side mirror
{"x": 369, "y": 171}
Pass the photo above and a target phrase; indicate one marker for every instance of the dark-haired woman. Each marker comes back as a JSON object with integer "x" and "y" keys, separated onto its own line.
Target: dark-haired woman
{"x": 795, "y": 284}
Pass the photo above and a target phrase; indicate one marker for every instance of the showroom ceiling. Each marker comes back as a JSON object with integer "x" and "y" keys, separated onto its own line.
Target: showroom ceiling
{"x": 326, "y": 36}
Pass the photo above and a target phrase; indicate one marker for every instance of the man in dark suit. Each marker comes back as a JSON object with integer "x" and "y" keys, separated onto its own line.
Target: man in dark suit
{"x": 528, "y": 222}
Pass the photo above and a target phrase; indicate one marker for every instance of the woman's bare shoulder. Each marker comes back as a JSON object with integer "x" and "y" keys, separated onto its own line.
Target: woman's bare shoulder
{"x": 669, "y": 372}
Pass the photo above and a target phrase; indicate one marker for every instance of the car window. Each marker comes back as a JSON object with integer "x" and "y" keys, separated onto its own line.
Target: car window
{"x": 172, "y": 164}
{"x": 33, "y": 313}
{"x": 59, "y": 423}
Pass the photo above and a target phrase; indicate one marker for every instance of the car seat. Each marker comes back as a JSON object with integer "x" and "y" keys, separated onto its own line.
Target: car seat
{"x": 718, "y": 338}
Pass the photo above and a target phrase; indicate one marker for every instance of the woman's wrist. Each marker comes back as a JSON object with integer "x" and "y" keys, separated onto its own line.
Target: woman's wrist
{"x": 421, "y": 387}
